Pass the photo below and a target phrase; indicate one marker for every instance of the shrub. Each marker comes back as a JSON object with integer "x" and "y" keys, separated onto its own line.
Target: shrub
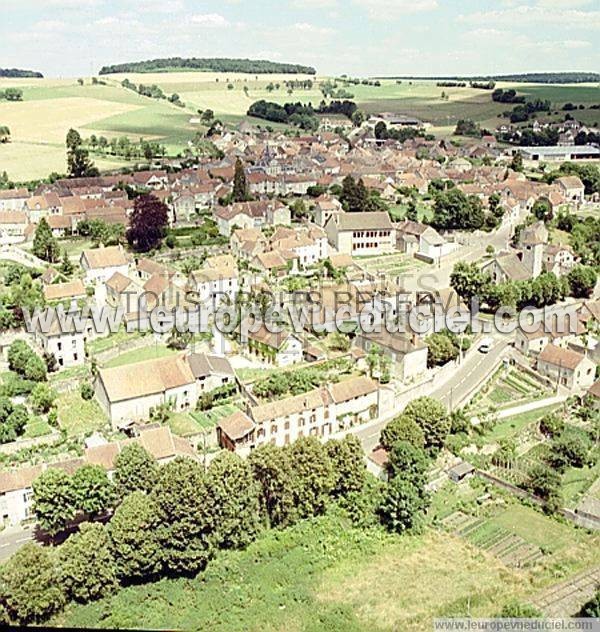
{"x": 87, "y": 391}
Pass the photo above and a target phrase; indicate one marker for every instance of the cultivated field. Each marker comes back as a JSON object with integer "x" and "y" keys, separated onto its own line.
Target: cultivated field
{"x": 39, "y": 123}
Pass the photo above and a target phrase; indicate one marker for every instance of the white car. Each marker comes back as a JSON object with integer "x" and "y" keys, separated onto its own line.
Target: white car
{"x": 485, "y": 345}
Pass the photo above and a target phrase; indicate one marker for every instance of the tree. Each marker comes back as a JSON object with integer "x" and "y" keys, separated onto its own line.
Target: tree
{"x": 402, "y": 428}
{"x": 148, "y": 223}
{"x": 402, "y": 507}
{"x": 272, "y": 469}
{"x": 86, "y": 564}
{"x": 348, "y": 464}
{"x": 79, "y": 164}
{"x": 183, "y": 531}
{"x": 73, "y": 140}
{"x": 582, "y": 281}
{"x": 232, "y": 502}
{"x": 4, "y": 134}
{"x": 45, "y": 245}
{"x": 135, "y": 470}
{"x": 94, "y": 491}
{"x": 42, "y": 398}
{"x": 551, "y": 425}
{"x": 408, "y": 462}
{"x": 569, "y": 450}
{"x": 313, "y": 476}
{"x": 469, "y": 281}
{"x": 454, "y": 210}
{"x": 66, "y": 267}
{"x": 240, "y": 185}
{"x": 18, "y": 354}
{"x": 179, "y": 339}
{"x": 30, "y": 585}
{"x": 545, "y": 483}
{"x": 542, "y": 209}
{"x": 441, "y": 349}
{"x": 54, "y": 500}
{"x": 133, "y": 538}
{"x": 517, "y": 162}
{"x": 35, "y": 369}
{"x": 433, "y": 419}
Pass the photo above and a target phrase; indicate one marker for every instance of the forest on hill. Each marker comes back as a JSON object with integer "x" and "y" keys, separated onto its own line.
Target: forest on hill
{"x": 17, "y": 73}
{"x": 255, "y": 66}
{"x": 531, "y": 77}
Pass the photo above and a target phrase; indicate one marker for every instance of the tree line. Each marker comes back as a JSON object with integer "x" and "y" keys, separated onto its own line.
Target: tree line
{"x": 206, "y": 64}
{"x": 17, "y": 73}
{"x": 153, "y": 92}
{"x": 171, "y": 520}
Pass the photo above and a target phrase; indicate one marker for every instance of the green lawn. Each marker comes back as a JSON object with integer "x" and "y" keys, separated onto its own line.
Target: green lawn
{"x": 511, "y": 426}
{"x": 77, "y": 416}
{"x": 37, "y": 427}
{"x": 209, "y": 418}
{"x": 318, "y": 575}
{"x": 150, "y": 352}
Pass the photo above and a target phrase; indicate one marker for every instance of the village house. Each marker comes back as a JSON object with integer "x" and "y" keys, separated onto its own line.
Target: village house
{"x": 533, "y": 343}
{"x": 319, "y": 413}
{"x": 506, "y": 266}
{"x": 211, "y": 371}
{"x": 408, "y": 354}
{"x": 251, "y": 215}
{"x": 361, "y": 234}
{"x": 129, "y": 393}
{"x": 211, "y": 285}
{"x": 279, "y": 348}
{"x": 65, "y": 341}
{"x": 246, "y": 243}
{"x": 68, "y": 291}
{"x": 566, "y": 368}
{"x": 572, "y": 189}
{"x": 13, "y": 199}
{"x": 325, "y": 207}
{"x": 100, "y": 264}
{"x": 423, "y": 241}
{"x": 13, "y": 227}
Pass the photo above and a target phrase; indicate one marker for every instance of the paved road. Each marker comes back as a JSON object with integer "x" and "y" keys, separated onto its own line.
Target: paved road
{"x": 469, "y": 375}
{"x": 13, "y": 538}
{"x": 473, "y": 368}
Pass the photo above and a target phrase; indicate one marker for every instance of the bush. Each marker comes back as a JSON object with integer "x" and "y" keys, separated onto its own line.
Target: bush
{"x": 87, "y": 391}
{"x": 551, "y": 425}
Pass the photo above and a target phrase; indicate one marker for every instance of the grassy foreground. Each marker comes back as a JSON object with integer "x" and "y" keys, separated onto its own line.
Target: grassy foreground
{"x": 319, "y": 575}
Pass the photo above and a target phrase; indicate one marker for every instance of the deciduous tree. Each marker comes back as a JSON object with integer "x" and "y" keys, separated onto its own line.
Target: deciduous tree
{"x": 272, "y": 469}
{"x": 86, "y": 564}
{"x": 133, "y": 536}
{"x": 54, "y": 500}
{"x": 148, "y": 223}
{"x": 30, "y": 585}
{"x": 135, "y": 470}
{"x": 232, "y": 502}
{"x": 183, "y": 531}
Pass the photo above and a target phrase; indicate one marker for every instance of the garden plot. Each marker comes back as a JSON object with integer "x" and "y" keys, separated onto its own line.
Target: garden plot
{"x": 390, "y": 265}
{"x": 511, "y": 549}
{"x": 507, "y": 389}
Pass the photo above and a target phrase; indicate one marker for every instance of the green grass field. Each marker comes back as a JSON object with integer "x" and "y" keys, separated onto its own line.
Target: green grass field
{"x": 318, "y": 575}
{"x": 77, "y": 416}
{"x": 151, "y": 352}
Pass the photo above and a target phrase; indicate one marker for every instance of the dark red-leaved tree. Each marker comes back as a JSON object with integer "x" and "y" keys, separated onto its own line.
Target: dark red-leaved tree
{"x": 148, "y": 223}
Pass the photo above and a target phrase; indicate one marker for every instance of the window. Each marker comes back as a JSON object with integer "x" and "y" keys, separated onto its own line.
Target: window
{"x": 286, "y": 425}
{"x": 274, "y": 429}
{"x": 301, "y": 422}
